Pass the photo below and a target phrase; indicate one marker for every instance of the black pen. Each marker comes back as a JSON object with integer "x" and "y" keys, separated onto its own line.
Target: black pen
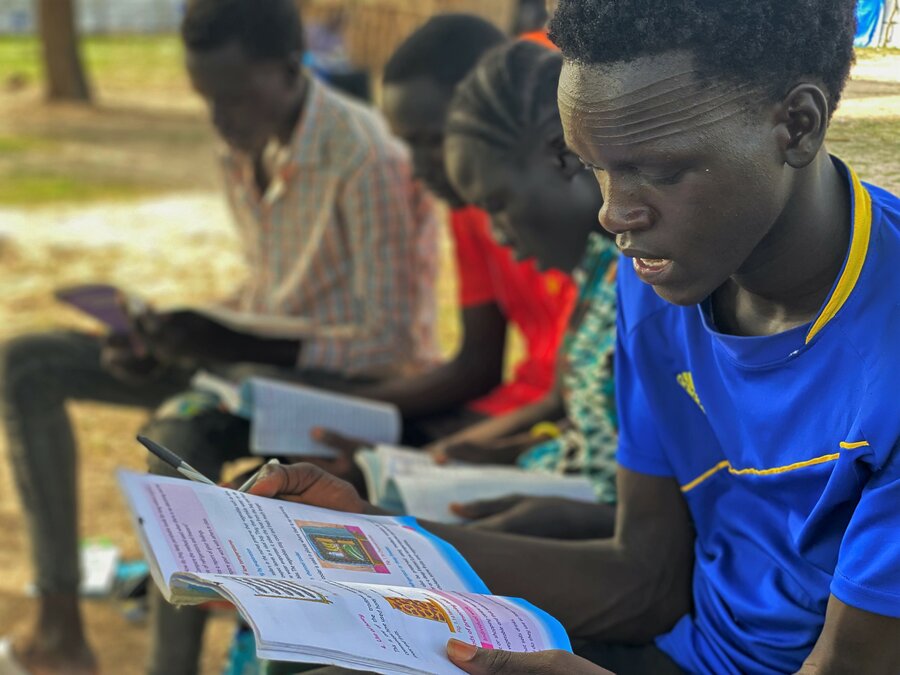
{"x": 174, "y": 461}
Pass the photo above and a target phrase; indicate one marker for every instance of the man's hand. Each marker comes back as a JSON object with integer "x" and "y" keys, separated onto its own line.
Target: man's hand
{"x": 187, "y": 335}
{"x": 551, "y": 517}
{"x": 495, "y": 662}
{"x": 343, "y": 465}
{"x": 496, "y": 451}
{"x": 308, "y": 484}
{"x": 123, "y": 357}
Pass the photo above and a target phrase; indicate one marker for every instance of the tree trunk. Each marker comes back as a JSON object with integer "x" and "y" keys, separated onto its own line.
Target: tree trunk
{"x": 64, "y": 75}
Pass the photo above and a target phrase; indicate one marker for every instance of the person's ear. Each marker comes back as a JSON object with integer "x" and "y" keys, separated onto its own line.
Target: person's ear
{"x": 802, "y": 121}
{"x": 293, "y": 67}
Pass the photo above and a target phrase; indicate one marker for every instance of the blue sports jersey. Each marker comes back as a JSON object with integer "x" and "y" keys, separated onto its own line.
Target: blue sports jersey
{"x": 786, "y": 450}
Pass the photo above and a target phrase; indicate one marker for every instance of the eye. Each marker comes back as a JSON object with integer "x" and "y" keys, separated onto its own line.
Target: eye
{"x": 667, "y": 179}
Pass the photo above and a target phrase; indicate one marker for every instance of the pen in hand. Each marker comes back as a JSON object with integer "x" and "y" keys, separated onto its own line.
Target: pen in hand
{"x": 174, "y": 461}
{"x": 250, "y": 481}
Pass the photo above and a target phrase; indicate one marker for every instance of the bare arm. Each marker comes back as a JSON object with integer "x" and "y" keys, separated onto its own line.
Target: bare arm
{"x": 472, "y": 443}
{"x": 627, "y": 589}
{"x": 854, "y": 642}
{"x": 474, "y": 371}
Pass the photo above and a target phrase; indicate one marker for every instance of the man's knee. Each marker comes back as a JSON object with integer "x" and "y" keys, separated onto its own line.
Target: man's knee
{"x": 205, "y": 441}
{"x": 30, "y": 362}
{"x": 38, "y": 355}
{"x": 181, "y": 436}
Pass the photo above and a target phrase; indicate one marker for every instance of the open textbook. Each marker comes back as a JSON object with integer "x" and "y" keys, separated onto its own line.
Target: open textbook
{"x": 282, "y": 414}
{"x": 408, "y": 481}
{"x": 113, "y": 307}
{"x": 319, "y": 586}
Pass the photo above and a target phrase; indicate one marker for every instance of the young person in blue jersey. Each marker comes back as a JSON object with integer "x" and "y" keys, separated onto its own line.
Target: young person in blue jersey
{"x": 756, "y": 366}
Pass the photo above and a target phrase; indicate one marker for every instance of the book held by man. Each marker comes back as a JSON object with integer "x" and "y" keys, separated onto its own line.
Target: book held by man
{"x": 318, "y": 586}
{"x": 282, "y": 414}
{"x": 408, "y": 481}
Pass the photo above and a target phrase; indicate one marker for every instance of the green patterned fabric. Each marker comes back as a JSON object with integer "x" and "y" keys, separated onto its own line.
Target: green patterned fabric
{"x": 588, "y": 447}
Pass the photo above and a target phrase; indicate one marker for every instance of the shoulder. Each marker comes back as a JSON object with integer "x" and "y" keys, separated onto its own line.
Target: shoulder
{"x": 870, "y": 323}
{"x": 357, "y": 135}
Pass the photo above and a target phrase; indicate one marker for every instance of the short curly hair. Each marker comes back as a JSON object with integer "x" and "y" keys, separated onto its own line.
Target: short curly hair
{"x": 769, "y": 43}
{"x": 265, "y": 29}
{"x": 444, "y": 49}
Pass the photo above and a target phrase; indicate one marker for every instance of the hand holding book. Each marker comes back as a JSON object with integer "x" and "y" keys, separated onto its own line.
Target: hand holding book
{"x": 322, "y": 586}
{"x": 476, "y": 661}
{"x": 308, "y": 484}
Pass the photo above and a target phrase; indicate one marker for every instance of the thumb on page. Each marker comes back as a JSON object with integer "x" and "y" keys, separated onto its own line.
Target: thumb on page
{"x": 478, "y": 661}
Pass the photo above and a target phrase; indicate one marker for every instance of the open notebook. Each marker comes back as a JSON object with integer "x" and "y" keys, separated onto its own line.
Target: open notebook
{"x": 282, "y": 414}
{"x": 408, "y": 481}
{"x": 318, "y": 586}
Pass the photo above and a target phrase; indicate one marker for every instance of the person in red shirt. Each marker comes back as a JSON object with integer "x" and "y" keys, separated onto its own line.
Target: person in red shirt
{"x": 495, "y": 290}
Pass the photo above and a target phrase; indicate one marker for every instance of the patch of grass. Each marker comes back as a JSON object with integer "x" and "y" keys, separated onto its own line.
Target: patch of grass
{"x": 870, "y": 147}
{"x": 18, "y": 144}
{"x": 19, "y": 56}
{"x": 34, "y": 188}
{"x": 113, "y": 62}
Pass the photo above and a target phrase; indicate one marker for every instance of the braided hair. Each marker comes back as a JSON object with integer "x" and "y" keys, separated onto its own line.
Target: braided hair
{"x": 511, "y": 92}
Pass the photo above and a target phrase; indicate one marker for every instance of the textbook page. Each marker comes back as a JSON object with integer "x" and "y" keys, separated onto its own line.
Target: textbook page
{"x": 381, "y": 464}
{"x": 192, "y": 527}
{"x": 409, "y": 481}
{"x": 285, "y": 413}
{"x": 387, "y": 628}
{"x": 428, "y": 493}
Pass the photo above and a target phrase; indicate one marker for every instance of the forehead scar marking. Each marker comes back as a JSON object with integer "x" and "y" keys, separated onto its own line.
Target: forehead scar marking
{"x": 676, "y": 104}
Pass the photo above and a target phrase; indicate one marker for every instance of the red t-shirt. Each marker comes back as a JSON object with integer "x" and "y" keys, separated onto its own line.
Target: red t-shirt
{"x": 537, "y": 303}
{"x": 541, "y": 37}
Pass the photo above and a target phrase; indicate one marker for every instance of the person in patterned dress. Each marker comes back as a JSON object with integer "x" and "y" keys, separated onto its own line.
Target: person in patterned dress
{"x": 506, "y": 155}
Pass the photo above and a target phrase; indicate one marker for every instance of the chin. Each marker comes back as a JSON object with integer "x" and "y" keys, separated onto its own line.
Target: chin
{"x": 681, "y": 296}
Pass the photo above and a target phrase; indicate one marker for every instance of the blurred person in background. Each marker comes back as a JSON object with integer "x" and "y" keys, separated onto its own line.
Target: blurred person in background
{"x": 496, "y": 291}
{"x": 530, "y": 22}
{"x": 338, "y": 238}
{"x": 506, "y": 154}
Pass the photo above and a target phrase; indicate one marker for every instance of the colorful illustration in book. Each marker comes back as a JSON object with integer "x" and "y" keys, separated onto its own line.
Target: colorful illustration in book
{"x": 343, "y": 547}
{"x": 422, "y": 609}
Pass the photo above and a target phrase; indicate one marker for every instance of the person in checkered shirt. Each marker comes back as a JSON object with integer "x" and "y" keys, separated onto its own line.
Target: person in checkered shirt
{"x": 340, "y": 243}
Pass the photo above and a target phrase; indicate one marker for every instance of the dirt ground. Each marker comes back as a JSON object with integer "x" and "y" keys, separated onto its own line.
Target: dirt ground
{"x": 174, "y": 245}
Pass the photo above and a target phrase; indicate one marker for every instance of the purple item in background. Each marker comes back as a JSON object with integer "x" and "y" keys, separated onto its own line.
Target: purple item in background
{"x": 101, "y": 301}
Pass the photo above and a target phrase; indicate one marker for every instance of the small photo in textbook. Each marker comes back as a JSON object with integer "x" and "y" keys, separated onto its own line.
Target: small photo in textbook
{"x": 342, "y": 547}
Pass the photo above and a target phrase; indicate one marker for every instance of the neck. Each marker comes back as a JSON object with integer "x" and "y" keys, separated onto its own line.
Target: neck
{"x": 294, "y": 110}
{"x": 787, "y": 279}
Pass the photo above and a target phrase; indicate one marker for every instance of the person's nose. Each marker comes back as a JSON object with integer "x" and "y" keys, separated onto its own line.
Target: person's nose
{"x": 622, "y": 210}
